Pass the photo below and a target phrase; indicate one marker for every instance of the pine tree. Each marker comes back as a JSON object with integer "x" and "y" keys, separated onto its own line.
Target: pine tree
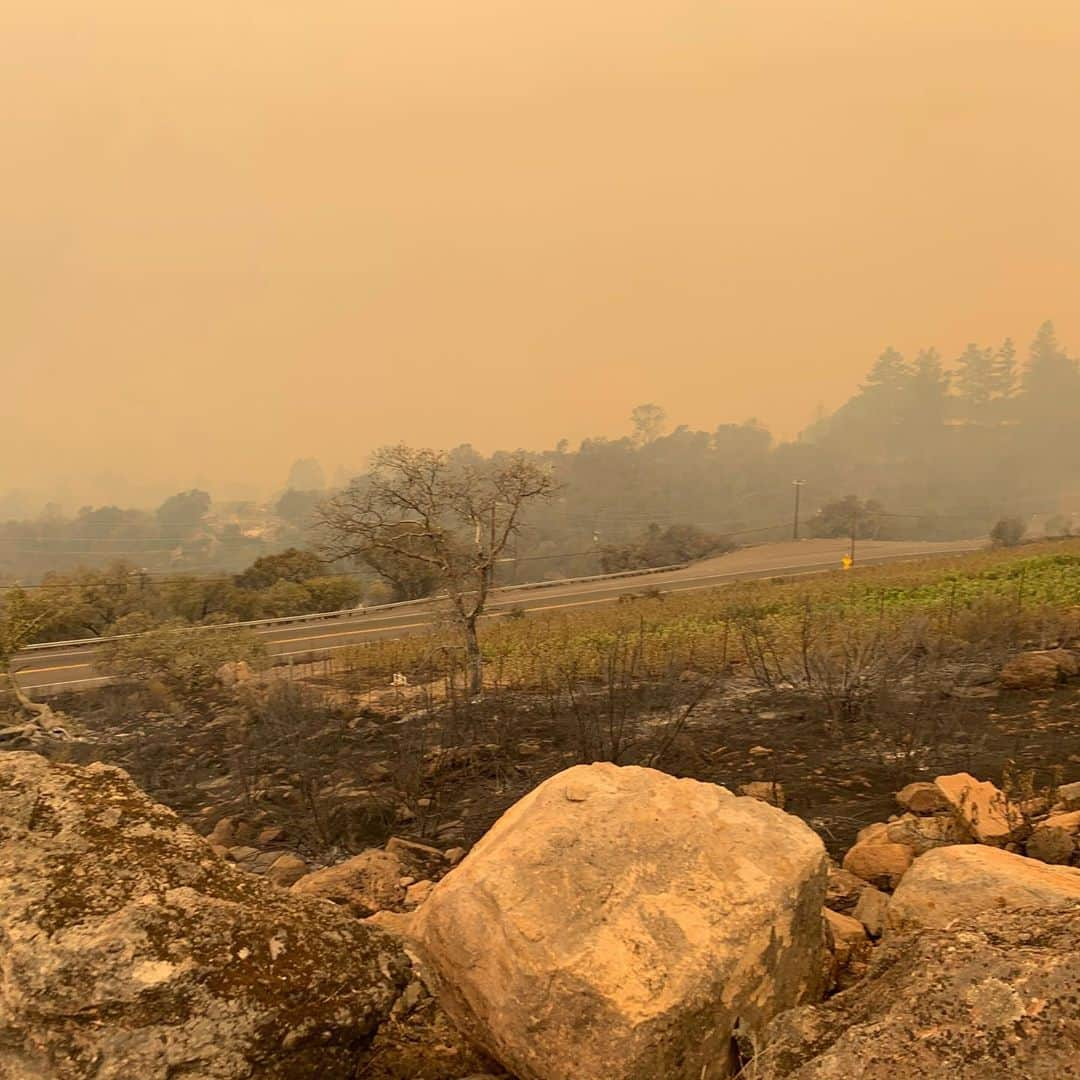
{"x": 1003, "y": 371}
{"x": 1051, "y": 383}
{"x": 926, "y": 395}
{"x": 975, "y": 378}
{"x": 890, "y": 373}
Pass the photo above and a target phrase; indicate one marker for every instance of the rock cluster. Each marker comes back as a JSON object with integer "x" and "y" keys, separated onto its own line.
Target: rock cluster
{"x": 614, "y": 924}
{"x": 958, "y": 849}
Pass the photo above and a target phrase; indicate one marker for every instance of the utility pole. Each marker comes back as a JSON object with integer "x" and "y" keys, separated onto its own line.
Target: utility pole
{"x": 854, "y": 529}
{"x": 798, "y": 488}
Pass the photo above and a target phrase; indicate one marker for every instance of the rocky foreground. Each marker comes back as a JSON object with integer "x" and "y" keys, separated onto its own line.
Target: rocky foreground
{"x": 616, "y": 923}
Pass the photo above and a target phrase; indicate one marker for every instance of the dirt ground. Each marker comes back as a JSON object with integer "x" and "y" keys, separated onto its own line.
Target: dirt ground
{"x": 336, "y": 775}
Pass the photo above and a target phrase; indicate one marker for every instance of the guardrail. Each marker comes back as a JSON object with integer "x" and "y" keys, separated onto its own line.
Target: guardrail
{"x": 378, "y": 609}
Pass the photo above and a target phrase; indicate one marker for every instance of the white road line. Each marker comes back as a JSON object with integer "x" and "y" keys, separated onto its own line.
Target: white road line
{"x": 68, "y": 682}
{"x": 351, "y": 633}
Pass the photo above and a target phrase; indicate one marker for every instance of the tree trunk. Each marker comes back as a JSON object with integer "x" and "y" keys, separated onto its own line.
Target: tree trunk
{"x": 474, "y": 659}
{"x": 42, "y": 714}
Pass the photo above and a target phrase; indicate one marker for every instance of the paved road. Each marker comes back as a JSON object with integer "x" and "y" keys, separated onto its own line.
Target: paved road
{"x": 73, "y": 667}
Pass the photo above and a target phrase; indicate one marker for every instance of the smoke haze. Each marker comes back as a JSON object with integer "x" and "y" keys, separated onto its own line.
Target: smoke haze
{"x": 240, "y": 233}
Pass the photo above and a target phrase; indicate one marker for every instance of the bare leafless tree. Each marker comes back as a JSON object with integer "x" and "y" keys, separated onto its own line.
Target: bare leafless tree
{"x": 453, "y": 517}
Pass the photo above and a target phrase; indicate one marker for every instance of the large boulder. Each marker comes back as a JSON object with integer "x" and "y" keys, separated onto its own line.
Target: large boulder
{"x": 619, "y": 923}
{"x": 949, "y": 882}
{"x": 128, "y": 949}
{"x": 991, "y": 997}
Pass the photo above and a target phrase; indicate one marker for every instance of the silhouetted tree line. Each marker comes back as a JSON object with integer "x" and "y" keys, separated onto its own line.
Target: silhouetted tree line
{"x": 931, "y": 450}
{"x": 928, "y": 448}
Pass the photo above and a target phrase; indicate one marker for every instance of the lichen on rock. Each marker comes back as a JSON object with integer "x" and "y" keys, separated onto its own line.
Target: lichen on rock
{"x": 130, "y": 950}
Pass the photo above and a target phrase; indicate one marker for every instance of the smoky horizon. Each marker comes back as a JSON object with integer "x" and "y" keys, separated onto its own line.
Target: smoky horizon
{"x": 240, "y": 236}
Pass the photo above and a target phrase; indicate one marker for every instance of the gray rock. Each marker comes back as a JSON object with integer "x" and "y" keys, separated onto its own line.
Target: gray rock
{"x": 132, "y": 952}
{"x": 991, "y": 997}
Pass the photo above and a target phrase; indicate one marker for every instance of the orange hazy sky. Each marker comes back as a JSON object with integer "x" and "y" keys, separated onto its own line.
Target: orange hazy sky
{"x": 238, "y": 233}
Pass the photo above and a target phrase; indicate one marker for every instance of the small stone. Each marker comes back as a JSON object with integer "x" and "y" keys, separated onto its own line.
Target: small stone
{"x": 409, "y": 999}
{"x": 1051, "y": 844}
{"x": 287, "y": 870}
{"x": 843, "y": 890}
{"x": 922, "y": 798}
{"x": 759, "y": 751}
{"x": 876, "y": 832}
{"x": 922, "y": 834}
{"x": 871, "y": 909}
{"x": 975, "y": 693}
{"x": 395, "y": 923}
{"x": 768, "y": 791}
{"x": 850, "y": 947}
{"x": 1069, "y": 796}
{"x": 364, "y": 884}
{"x": 418, "y": 861}
{"x": 223, "y": 833}
{"x": 881, "y": 864}
{"x": 846, "y": 931}
{"x": 416, "y": 894}
{"x": 1069, "y": 822}
{"x": 259, "y": 864}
